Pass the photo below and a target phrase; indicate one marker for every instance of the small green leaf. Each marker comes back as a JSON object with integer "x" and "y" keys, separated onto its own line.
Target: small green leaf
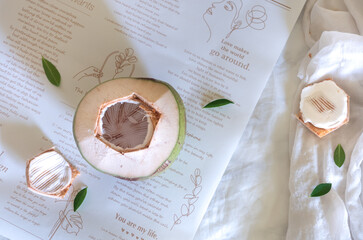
{"x": 339, "y": 155}
{"x": 78, "y": 200}
{"x": 218, "y": 103}
{"x": 321, "y": 189}
{"x": 51, "y": 72}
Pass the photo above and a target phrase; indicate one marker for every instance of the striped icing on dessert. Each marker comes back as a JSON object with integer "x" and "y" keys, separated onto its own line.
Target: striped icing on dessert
{"x": 49, "y": 173}
{"x": 324, "y": 104}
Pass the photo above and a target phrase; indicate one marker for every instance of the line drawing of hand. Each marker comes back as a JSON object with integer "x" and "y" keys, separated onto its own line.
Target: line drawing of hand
{"x": 234, "y": 17}
{"x": 91, "y": 71}
{"x": 116, "y": 64}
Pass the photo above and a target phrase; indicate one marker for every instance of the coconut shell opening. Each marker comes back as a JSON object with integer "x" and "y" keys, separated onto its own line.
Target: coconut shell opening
{"x": 126, "y": 124}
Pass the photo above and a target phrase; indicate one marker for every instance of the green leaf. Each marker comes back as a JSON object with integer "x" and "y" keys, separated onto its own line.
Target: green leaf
{"x": 51, "y": 72}
{"x": 78, "y": 200}
{"x": 339, "y": 155}
{"x": 218, "y": 103}
{"x": 321, "y": 189}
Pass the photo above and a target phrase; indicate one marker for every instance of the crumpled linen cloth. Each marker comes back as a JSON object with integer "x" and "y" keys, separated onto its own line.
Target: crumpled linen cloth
{"x": 336, "y": 55}
{"x": 332, "y": 15}
{"x": 338, "y": 214}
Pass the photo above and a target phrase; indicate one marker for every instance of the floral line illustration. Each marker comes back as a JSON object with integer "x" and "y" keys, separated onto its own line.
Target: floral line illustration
{"x": 188, "y": 208}
{"x": 122, "y": 60}
{"x": 68, "y": 220}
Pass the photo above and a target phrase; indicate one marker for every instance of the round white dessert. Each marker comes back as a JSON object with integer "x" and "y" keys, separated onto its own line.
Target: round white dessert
{"x": 324, "y": 104}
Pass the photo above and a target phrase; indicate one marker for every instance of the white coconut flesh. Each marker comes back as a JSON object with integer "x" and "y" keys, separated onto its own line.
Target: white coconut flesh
{"x": 125, "y": 137}
{"x": 50, "y": 174}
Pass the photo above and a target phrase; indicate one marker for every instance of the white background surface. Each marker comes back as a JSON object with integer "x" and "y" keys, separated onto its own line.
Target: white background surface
{"x": 252, "y": 200}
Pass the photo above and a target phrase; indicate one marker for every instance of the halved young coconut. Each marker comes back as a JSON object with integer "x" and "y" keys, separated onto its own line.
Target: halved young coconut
{"x": 131, "y": 128}
{"x": 50, "y": 174}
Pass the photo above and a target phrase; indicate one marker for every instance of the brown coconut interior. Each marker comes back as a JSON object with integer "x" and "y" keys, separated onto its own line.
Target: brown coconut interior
{"x": 125, "y": 125}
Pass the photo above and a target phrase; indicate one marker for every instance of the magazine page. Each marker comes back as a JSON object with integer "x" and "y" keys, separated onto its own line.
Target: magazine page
{"x": 205, "y": 50}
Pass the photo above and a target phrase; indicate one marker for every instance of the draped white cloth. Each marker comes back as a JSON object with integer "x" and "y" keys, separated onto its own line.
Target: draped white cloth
{"x": 338, "y": 55}
{"x": 332, "y": 15}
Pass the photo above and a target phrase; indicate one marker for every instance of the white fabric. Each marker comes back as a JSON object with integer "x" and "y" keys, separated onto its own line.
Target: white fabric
{"x": 353, "y": 192}
{"x": 332, "y": 15}
{"x": 338, "y": 56}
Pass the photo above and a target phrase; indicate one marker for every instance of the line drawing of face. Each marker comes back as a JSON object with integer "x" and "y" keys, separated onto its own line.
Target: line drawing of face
{"x": 227, "y": 16}
{"x": 220, "y": 13}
